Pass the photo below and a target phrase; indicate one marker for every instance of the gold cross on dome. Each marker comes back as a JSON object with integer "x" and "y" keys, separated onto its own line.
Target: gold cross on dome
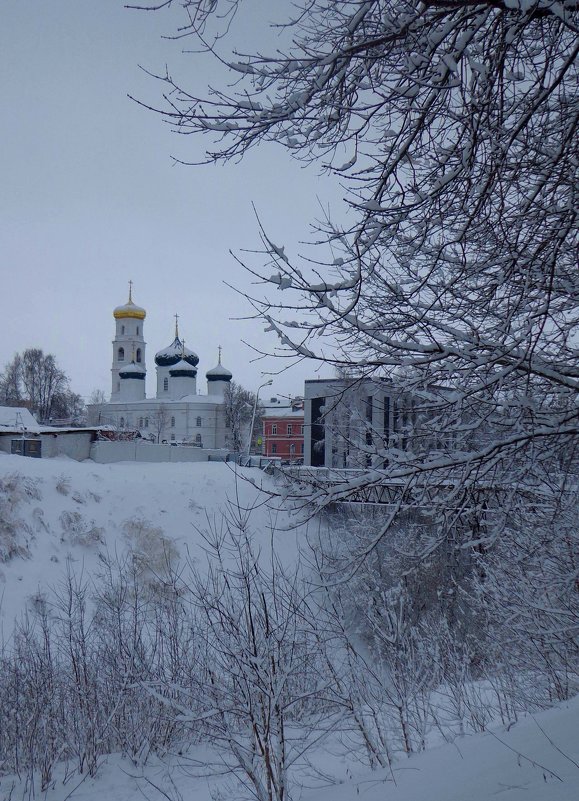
{"x": 130, "y": 291}
{"x": 176, "y": 326}
{"x": 219, "y": 349}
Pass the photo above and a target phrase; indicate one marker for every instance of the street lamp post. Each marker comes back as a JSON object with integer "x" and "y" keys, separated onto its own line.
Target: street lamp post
{"x": 265, "y": 384}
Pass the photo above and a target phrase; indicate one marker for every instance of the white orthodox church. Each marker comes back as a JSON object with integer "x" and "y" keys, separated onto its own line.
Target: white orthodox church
{"x": 178, "y": 413}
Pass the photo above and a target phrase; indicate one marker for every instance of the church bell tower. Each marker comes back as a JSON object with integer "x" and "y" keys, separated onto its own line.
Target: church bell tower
{"x": 129, "y": 344}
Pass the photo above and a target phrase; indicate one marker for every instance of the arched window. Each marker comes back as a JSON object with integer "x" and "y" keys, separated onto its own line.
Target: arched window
{"x": 121, "y": 355}
{"x": 140, "y": 422}
{"x": 198, "y": 438}
{"x": 122, "y": 422}
{"x": 138, "y": 354}
{"x": 122, "y": 329}
{"x": 199, "y": 422}
{"x": 165, "y": 384}
{"x": 146, "y": 422}
{"x": 172, "y": 422}
{"x": 137, "y": 330}
{"x": 173, "y": 437}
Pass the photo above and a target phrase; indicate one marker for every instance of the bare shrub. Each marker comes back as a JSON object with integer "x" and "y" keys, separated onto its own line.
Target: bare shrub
{"x": 77, "y": 530}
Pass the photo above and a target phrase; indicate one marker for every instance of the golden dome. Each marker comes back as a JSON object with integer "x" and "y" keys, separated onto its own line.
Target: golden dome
{"x": 129, "y": 309}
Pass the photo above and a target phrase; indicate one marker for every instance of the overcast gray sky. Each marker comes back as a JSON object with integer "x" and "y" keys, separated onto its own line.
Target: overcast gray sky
{"x": 90, "y": 197}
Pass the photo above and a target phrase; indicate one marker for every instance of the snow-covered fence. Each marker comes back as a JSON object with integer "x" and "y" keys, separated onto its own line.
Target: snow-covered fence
{"x": 105, "y": 452}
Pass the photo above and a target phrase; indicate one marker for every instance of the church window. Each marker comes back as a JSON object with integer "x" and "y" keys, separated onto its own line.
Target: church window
{"x": 140, "y": 422}
{"x": 121, "y": 355}
{"x": 172, "y": 437}
{"x": 146, "y": 422}
{"x": 198, "y": 422}
{"x": 122, "y": 422}
{"x": 172, "y": 422}
{"x": 122, "y": 329}
{"x": 138, "y": 354}
{"x": 198, "y": 438}
{"x": 137, "y": 330}
{"x": 165, "y": 384}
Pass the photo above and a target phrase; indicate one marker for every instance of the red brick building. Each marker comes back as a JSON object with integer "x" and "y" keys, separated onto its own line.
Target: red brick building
{"x": 283, "y": 430}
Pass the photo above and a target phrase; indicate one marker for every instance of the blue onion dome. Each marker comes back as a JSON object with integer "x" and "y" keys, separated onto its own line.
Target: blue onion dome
{"x": 219, "y": 373}
{"x": 183, "y": 369}
{"x": 174, "y": 353}
{"x": 133, "y": 370}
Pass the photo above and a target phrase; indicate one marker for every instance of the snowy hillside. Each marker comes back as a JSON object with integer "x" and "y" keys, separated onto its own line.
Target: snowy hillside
{"x": 194, "y": 680}
{"x": 54, "y": 511}
{"x": 536, "y": 760}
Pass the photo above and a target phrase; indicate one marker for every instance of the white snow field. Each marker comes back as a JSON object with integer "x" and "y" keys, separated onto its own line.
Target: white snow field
{"x": 58, "y": 514}
{"x": 536, "y": 760}
{"x": 67, "y": 512}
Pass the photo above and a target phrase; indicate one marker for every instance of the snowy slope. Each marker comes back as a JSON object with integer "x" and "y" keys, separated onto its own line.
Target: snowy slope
{"x": 58, "y": 513}
{"x": 66, "y": 512}
{"x": 536, "y": 760}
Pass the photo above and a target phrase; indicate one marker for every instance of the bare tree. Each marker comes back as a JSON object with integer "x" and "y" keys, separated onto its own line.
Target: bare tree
{"x": 160, "y": 420}
{"x": 10, "y": 382}
{"x": 35, "y": 377}
{"x": 239, "y": 404}
{"x": 453, "y": 127}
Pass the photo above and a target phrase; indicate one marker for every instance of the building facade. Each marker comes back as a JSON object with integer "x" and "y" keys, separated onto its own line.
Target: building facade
{"x": 283, "y": 431}
{"x": 178, "y": 412}
{"x": 350, "y": 423}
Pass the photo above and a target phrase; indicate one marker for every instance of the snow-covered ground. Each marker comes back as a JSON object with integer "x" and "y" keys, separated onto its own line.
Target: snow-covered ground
{"x": 56, "y": 514}
{"x": 59, "y": 511}
{"x": 536, "y": 760}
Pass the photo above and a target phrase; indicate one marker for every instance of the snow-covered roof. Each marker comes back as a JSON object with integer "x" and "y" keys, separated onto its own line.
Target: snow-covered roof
{"x": 17, "y": 417}
{"x": 173, "y": 353}
{"x": 219, "y": 372}
{"x": 183, "y": 367}
{"x": 283, "y": 411}
{"x": 132, "y": 368}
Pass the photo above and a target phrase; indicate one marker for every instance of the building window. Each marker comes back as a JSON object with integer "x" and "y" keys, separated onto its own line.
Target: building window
{"x": 122, "y": 422}
{"x": 198, "y": 422}
{"x": 302, "y": 430}
{"x": 165, "y": 384}
{"x": 198, "y": 438}
{"x": 172, "y": 436}
{"x": 172, "y": 422}
{"x": 289, "y": 429}
{"x": 122, "y": 329}
{"x": 274, "y": 447}
{"x": 292, "y": 449}
{"x": 274, "y": 428}
{"x": 302, "y": 448}
{"x": 146, "y": 422}
{"x": 138, "y": 354}
{"x": 121, "y": 355}
{"x": 140, "y": 422}
{"x": 137, "y": 330}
